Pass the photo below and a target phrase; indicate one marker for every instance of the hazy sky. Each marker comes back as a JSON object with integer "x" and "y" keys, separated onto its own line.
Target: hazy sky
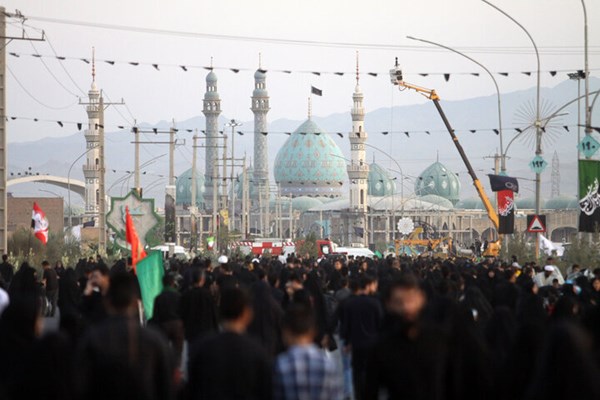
{"x": 556, "y": 25}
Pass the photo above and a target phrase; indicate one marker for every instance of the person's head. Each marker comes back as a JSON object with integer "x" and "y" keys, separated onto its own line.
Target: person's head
{"x": 555, "y": 283}
{"x": 548, "y": 270}
{"x": 576, "y": 268}
{"x": 169, "y": 280}
{"x": 122, "y": 294}
{"x": 596, "y": 284}
{"x": 100, "y": 277}
{"x": 298, "y": 325}
{"x": 235, "y": 309}
{"x": 198, "y": 277}
{"x": 367, "y": 284}
{"x": 405, "y": 298}
{"x": 337, "y": 264}
{"x": 45, "y": 264}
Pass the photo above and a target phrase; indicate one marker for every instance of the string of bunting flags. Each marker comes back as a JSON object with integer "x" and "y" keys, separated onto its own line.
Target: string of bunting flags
{"x": 185, "y": 68}
{"x": 80, "y": 125}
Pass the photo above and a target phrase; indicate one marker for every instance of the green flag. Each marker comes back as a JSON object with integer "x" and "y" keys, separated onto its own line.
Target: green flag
{"x": 150, "y": 272}
{"x": 589, "y": 195}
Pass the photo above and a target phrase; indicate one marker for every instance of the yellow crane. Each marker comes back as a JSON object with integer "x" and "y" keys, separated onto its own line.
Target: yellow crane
{"x": 397, "y": 80}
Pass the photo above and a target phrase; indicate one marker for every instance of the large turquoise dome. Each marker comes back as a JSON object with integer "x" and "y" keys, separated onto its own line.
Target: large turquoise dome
{"x": 440, "y": 181}
{"x": 184, "y": 189}
{"x": 310, "y": 164}
{"x": 380, "y": 182}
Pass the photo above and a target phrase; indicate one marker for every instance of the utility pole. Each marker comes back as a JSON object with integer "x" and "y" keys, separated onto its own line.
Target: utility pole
{"x": 193, "y": 209}
{"x": 3, "y": 149}
{"x": 170, "y": 233}
{"x": 233, "y": 124}
{"x": 136, "y": 177}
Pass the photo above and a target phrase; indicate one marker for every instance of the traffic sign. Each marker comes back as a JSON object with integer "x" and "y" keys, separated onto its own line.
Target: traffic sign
{"x": 538, "y": 164}
{"x": 536, "y": 223}
{"x": 589, "y": 146}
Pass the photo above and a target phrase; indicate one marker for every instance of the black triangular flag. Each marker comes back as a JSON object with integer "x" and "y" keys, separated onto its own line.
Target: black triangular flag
{"x": 156, "y": 67}
{"x": 235, "y": 70}
{"x": 519, "y": 130}
{"x": 135, "y": 129}
{"x": 316, "y": 91}
{"x": 496, "y": 131}
{"x": 475, "y": 73}
{"x": 407, "y": 134}
{"x": 60, "y": 123}
{"x": 134, "y": 63}
{"x": 183, "y": 67}
{"x": 384, "y": 133}
{"x": 566, "y": 128}
{"x": 316, "y": 73}
{"x": 423, "y": 74}
{"x": 339, "y": 73}
{"x": 288, "y": 133}
{"x": 447, "y": 77}
{"x": 264, "y": 133}
{"x": 472, "y": 131}
{"x": 240, "y": 133}
{"x": 552, "y": 73}
{"x": 427, "y": 132}
{"x": 503, "y": 73}
{"x": 79, "y": 126}
{"x": 61, "y": 58}
{"x": 527, "y": 73}
{"x": 85, "y": 61}
{"x": 110, "y": 62}
{"x": 120, "y": 127}
{"x": 373, "y": 74}
{"x": 155, "y": 130}
{"x": 340, "y": 135}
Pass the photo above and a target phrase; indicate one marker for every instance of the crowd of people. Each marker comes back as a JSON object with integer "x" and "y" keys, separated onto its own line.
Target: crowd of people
{"x": 391, "y": 328}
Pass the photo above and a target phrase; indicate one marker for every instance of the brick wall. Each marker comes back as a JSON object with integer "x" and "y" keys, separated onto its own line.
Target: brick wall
{"x": 19, "y": 212}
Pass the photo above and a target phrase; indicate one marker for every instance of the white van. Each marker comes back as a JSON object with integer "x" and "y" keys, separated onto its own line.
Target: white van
{"x": 355, "y": 252}
{"x": 179, "y": 251}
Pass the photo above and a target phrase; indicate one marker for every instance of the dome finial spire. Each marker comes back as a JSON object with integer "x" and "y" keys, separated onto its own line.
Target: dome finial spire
{"x": 437, "y": 158}
{"x": 357, "y": 73}
{"x": 93, "y": 64}
{"x": 211, "y": 63}
{"x": 309, "y": 106}
{"x": 259, "y": 60}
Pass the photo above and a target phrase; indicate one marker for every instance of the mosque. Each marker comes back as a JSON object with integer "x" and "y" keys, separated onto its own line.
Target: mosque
{"x": 315, "y": 189}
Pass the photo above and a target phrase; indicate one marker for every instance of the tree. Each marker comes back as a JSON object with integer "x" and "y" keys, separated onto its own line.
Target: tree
{"x": 308, "y": 245}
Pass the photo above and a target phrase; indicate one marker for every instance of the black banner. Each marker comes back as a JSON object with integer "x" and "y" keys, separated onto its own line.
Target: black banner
{"x": 502, "y": 182}
{"x": 506, "y": 212}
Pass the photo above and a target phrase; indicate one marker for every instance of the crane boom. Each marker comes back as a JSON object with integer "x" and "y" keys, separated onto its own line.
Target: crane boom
{"x": 396, "y": 77}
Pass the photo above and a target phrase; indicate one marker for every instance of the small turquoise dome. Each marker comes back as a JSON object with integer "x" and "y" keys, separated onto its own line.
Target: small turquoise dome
{"x": 473, "y": 203}
{"x": 211, "y": 77}
{"x": 380, "y": 182}
{"x": 184, "y": 189}
{"x": 310, "y": 164}
{"x": 527, "y": 203}
{"x": 304, "y": 203}
{"x": 437, "y": 200}
{"x": 440, "y": 181}
{"x": 563, "y": 202}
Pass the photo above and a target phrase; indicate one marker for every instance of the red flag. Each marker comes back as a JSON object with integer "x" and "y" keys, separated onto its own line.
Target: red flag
{"x": 39, "y": 223}
{"x": 131, "y": 236}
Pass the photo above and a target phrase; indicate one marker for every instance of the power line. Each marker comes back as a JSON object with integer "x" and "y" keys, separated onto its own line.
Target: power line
{"x": 317, "y": 43}
{"x": 33, "y": 97}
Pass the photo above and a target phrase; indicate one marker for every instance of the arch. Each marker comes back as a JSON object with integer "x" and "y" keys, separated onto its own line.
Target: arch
{"x": 563, "y": 234}
{"x": 76, "y": 186}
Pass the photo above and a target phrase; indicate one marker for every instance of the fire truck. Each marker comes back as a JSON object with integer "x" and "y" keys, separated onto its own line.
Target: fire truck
{"x": 257, "y": 247}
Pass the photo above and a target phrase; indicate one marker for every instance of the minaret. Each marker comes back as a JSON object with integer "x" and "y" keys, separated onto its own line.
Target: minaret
{"x": 358, "y": 170}
{"x": 91, "y": 168}
{"x": 211, "y": 111}
{"x": 260, "y": 108}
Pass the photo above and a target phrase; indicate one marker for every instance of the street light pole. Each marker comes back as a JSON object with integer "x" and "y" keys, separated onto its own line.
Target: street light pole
{"x": 233, "y": 124}
{"x": 538, "y": 125}
{"x": 503, "y": 156}
{"x": 69, "y": 184}
{"x": 588, "y": 109}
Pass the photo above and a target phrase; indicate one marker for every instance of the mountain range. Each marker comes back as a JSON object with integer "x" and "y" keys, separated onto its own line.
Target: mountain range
{"x": 412, "y": 152}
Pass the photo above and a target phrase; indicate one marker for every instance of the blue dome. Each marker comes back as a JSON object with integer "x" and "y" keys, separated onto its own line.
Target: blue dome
{"x": 310, "y": 164}
{"x": 563, "y": 202}
{"x": 440, "y": 181}
{"x": 473, "y": 203}
{"x": 380, "y": 182}
{"x": 211, "y": 77}
{"x": 184, "y": 189}
{"x": 527, "y": 203}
